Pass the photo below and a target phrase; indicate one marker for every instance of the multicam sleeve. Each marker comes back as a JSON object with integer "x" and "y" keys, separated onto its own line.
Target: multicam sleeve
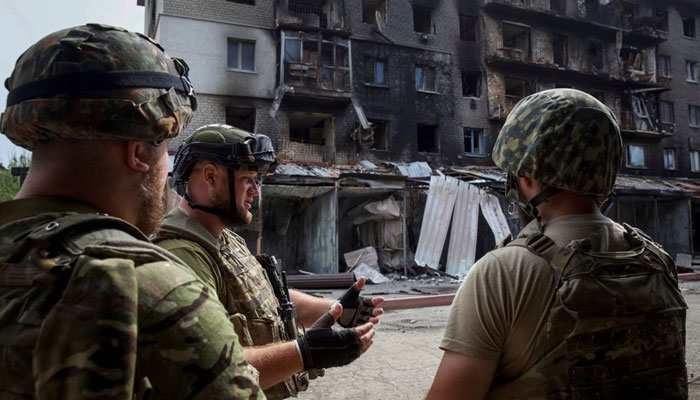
{"x": 87, "y": 344}
{"x": 187, "y": 347}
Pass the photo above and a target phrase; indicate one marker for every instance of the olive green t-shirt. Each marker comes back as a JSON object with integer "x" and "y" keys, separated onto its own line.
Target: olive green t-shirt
{"x": 503, "y": 302}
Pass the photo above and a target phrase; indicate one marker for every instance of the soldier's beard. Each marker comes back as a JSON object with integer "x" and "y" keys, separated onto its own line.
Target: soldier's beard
{"x": 153, "y": 201}
{"x": 238, "y": 217}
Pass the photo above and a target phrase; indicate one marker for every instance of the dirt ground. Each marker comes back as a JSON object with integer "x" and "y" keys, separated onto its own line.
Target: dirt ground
{"x": 402, "y": 362}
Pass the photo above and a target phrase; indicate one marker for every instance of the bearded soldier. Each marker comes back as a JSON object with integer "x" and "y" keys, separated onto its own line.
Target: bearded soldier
{"x": 577, "y": 306}
{"x": 88, "y": 307}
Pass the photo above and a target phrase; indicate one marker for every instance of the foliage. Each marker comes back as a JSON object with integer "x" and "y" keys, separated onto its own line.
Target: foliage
{"x": 9, "y": 186}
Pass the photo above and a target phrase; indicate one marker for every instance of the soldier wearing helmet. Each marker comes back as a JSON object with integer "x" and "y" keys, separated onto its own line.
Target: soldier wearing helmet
{"x": 89, "y": 308}
{"x": 216, "y": 171}
{"x": 576, "y": 306}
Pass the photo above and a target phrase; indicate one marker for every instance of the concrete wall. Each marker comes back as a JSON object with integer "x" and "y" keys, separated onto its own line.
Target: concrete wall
{"x": 203, "y": 44}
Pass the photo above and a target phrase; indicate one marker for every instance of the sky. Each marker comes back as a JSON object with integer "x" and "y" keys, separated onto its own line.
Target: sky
{"x": 24, "y": 22}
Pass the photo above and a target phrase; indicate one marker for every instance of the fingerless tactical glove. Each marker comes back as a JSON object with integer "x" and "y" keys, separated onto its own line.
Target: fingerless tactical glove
{"x": 356, "y": 309}
{"x": 324, "y": 347}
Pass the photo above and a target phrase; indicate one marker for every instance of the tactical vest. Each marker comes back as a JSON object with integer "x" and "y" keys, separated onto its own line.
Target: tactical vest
{"x": 615, "y": 328}
{"x": 250, "y": 299}
{"x": 36, "y": 262}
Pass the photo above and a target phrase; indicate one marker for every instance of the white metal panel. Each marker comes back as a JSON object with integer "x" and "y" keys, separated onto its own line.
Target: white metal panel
{"x": 436, "y": 220}
{"x": 491, "y": 208}
{"x": 465, "y": 225}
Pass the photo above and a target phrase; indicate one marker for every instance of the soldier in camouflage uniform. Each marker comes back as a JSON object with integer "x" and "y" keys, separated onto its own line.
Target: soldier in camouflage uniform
{"x": 215, "y": 171}
{"x": 89, "y": 308}
{"x": 577, "y": 306}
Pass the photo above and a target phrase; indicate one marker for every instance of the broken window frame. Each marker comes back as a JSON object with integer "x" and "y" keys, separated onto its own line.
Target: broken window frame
{"x": 468, "y": 28}
{"x": 689, "y": 31}
{"x": 663, "y": 66}
{"x": 693, "y": 116}
{"x": 436, "y": 141}
{"x": 599, "y": 63}
{"x": 309, "y": 139}
{"x": 565, "y": 49}
{"x": 421, "y": 81}
{"x": 666, "y": 113}
{"x": 639, "y": 149}
{"x": 695, "y": 161}
{"x": 466, "y": 88}
{"x": 369, "y": 12}
{"x": 691, "y": 71}
{"x": 419, "y": 18}
{"x": 239, "y": 44}
{"x": 474, "y": 142}
{"x": 325, "y": 73}
{"x": 525, "y": 54}
{"x": 670, "y": 163}
{"x": 235, "y": 113}
{"x": 512, "y": 99}
{"x": 627, "y": 20}
{"x": 660, "y": 19}
{"x": 381, "y": 129}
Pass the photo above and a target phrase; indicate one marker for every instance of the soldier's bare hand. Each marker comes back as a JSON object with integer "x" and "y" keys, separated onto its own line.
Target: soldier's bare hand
{"x": 366, "y": 334}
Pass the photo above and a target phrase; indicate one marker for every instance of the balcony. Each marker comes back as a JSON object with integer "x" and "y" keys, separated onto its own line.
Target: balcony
{"x": 639, "y": 116}
{"x": 309, "y": 15}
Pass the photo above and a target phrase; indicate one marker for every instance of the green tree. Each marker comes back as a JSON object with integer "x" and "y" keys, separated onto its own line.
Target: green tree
{"x": 9, "y": 186}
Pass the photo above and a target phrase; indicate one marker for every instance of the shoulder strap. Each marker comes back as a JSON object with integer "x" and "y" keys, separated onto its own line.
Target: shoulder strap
{"x": 539, "y": 244}
{"x": 170, "y": 230}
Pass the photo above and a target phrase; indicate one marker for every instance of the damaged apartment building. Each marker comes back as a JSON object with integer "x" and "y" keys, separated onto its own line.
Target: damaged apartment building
{"x": 354, "y": 91}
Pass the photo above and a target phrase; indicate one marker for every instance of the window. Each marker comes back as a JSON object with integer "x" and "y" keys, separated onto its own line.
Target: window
{"x": 422, "y": 19}
{"x": 381, "y": 134}
{"x": 426, "y": 79}
{"x": 516, "y": 38}
{"x": 663, "y": 65}
{"x": 636, "y": 156}
{"x": 628, "y": 15}
{"x": 427, "y": 138}
{"x": 373, "y": 10}
{"x": 241, "y": 55}
{"x": 661, "y": 20}
{"x": 694, "y": 116}
{"x": 471, "y": 84}
{"x": 666, "y": 112}
{"x": 241, "y": 117}
{"x": 689, "y": 27}
{"x": 560, "y": 48}
{"x": 516, "y": 89}
{"x": 249, "y": 2}
{"x": 316, "y": 62}
{"x": 691, "y": 71}
{"x": 695, "y": 161}
{"x": 595, "y": 57}
{"x": 474, "y": 142}
{"x": 310, "y": 127}
{"x": 467, "y": 27}
{"x": 376, "y": 71}
{"x": 558, "y": 6}
{"x": 670, "y": 159}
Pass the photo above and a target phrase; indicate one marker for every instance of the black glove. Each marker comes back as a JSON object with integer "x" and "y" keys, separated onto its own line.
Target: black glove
{"x": 324, "y": 347}
{"x": 357, "y": 309}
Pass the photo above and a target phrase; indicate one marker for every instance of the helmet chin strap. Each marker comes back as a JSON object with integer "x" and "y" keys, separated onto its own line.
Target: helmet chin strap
{"x": 224, "y": 215}
{"x": 529, "y": 208}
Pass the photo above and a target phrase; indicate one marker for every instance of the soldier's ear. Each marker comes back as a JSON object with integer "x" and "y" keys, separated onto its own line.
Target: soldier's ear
{"x": 138, "y": 155}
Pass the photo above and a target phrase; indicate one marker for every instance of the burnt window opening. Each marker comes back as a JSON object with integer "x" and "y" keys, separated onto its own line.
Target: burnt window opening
{"x": 516, "y": 39}
{"x": 560, "y": 50}
{"x": 666, "y": 114}
{"x": 595, "y": 56}
{"x": 689, "y": 27}
{"x": 632, "y": 61}
{"x": 467, "y": 27}
{"x": 558, "y": 6}
{"x": 422, "y": 19}
{"x": 628, "y": 15}
{"x": 241, "y": 117}
{"x": 516, "y": 89}
{"x": 309, "y": 7}
{"x": 471, "y": 84}
{"x": 376, "y": 71}
{"x": 373, "y": 11}
{"x": 248, "y": 2}
{"x": 426, "y": 79}
{"x": 592, "y": 9}
{"x": 381, "y": 134}
{"x": 660, "y": 20}
{"x": 427, "y": 138}
{"x": 474, "y": 142}
{"x": 317, "y": 62}
{"x": 309, "y": 127}
{"x": 663, "y": 66}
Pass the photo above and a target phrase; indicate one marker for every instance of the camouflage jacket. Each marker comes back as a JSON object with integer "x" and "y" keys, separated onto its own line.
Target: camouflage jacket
{"x": 616, "y": 326}
{"x": 90, "y": 309}
{"x": 240, "y": 281}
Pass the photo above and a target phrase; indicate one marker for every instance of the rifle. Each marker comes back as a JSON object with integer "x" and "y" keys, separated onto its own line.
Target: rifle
{"x": 286, "y": 309}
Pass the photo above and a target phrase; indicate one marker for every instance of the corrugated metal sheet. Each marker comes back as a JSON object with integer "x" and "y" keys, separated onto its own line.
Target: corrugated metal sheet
{"x": 418, "y": 169}
{"x": 646, "y": 184}
{"x": 465, "y": 225}
{"x": 436, "y": 219}
{"x": 304, "y": 170}
{"x": 493, "y": 214}
{"x": 294, "y": 191}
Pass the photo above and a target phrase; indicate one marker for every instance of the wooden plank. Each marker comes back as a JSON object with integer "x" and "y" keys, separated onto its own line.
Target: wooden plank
{"x": 403, "y": 303}
{"x": 693, "y": 276}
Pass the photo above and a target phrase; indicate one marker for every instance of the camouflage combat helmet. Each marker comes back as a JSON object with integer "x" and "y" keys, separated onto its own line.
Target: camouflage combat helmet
{"x": 96, "y": 81}
{"x": 563, "y": 138}
{"x": 237, "y": 149}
